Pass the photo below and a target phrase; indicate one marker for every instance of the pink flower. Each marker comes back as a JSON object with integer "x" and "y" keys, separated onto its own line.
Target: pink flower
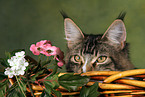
{"x": 39, "y": 47}
{"x": 60, "y": 63}
{"x": 59, "y": 57}
{"x": 56, "y": 52}
{"x": 35, "y": 50}
{"x": 49, "y": 50}
{"x": 52, "y": 50}
{"x": 43, "y": 43}
{"x": 45, "y": 47}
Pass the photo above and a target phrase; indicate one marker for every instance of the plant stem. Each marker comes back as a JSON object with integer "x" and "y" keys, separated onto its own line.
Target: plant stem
{"x": 47, "y": 58}
{"x": 20, "y": 86}
{"x": 30, "y": 89}
{"x": 39, "y": 58}
{"x": 29, "y": 83}
{"x": 28, "y": 86}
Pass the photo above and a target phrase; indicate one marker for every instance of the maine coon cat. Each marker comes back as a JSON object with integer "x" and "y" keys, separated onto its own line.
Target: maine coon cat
{"x": 88, "y": 52}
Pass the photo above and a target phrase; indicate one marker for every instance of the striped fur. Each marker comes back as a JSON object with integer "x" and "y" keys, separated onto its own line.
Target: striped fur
{"x": 97, "y": 52}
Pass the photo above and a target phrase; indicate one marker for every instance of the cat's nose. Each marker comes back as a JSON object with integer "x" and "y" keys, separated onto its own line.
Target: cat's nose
{"x": 88, "y": 67}
{"x": 84, "y": 67}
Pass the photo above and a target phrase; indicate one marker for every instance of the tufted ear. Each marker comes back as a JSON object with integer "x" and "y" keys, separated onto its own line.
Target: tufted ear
{"x": 116, "y": 34}
{"x": 72, "y": 32}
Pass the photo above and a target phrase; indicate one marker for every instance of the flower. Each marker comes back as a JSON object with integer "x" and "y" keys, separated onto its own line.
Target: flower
{"x": 9, "y": 72}
{"x": 40, "y": 47}
{"x": 35, "y": 50}
{"x": 20, "y": 54}
{"x": 50, "y": 50}
{"x": 43, "y": 43}
{"x": 59, "y": 55}
{"x": 56, "y": 52}
{"x": 60, "y": 63}
{"x": 17, "y": 64}
{"x": 45, "y": 47}
{"x": 19, "y": 72}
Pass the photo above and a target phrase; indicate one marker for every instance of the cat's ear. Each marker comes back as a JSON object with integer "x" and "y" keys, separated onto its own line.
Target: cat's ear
{"x": 116, "y": 34}
{"x": 72, "y": 32}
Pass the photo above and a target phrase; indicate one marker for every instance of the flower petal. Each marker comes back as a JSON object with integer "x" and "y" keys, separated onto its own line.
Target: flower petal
{"x": 60, "y": 63}
{"x": 42, "y": 43}
{"x": 34, "y": 49}
{"x": 20, "y": 54}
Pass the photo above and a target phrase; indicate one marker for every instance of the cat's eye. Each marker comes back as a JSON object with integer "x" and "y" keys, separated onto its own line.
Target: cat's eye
{"x": 101, "y": 59}
{"x": 77, "y": 58}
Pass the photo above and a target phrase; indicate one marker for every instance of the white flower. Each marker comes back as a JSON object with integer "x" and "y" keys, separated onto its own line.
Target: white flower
{"x": 22, "y": 68}
{"x": 21, "y": 72}
{"x": 18, "y": 65}
{"x": 20, "y": 54}
{"x": 9, "y": 72}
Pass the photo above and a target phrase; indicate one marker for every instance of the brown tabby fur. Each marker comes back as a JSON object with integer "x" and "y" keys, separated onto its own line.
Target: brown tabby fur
{"x": 107, "y": 52}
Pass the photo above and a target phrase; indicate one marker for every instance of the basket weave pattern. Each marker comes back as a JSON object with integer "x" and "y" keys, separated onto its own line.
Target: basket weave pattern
{"x": 129, "y": 83}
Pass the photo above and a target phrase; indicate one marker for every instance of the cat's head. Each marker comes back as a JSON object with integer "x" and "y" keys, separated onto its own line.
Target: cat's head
{"x": 96, "y": 52}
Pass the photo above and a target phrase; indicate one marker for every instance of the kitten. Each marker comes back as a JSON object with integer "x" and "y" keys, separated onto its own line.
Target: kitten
{"x": 107, "y": 52}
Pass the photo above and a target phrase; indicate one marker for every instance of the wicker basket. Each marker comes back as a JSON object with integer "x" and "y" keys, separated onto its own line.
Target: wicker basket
{"x": 129, "y": 83}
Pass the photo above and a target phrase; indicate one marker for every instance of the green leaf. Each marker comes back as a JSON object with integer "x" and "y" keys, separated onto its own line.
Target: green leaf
{"x": 44, "y": 94}
{"x": 55, "y": 69}
{"x": 90, "y": 91}
{"x": 4, "y": 83}
{"x": 3, "y": 87}
{"x": 56, "y": 93}
{"x": 53, "y": 92}
{"x": 4, "y": 62}
{"x": 33, "y": 78}
{"x": 2, "y": 92}
{"x": 46, "y": 63}
{"x": 36, "y": 67}
{"x": 2, "y": 76}
{"x": 48, "y": 89}
{"x": 72, "y": 82}
{"x": 8, "y": 55}
{"x": 15, "y": 91}
{"x": 52, "y": 81}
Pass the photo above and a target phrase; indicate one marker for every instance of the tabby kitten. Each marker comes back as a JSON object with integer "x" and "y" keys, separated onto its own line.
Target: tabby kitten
{"x": 107, "y": 52}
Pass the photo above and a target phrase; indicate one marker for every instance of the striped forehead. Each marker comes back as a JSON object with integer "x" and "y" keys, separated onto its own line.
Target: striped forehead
{"x": 91, "y": 44}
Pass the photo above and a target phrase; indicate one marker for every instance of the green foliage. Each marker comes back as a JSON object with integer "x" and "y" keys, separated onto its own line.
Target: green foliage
{"x": 51, "y": 83}
{"x": 90, "y": 91}
{"x": 3, "y": 84}
{"x": 57, "y": 94}
{"x": 3, "y": 87}
{"x": 3, "y": 76}
{"x": 33, "y": 77}
{"x": 37, "y": 73}
{"x": 3, "y": 61}
{"x": 72, "y": 82}
{"x": 15, "y": 90}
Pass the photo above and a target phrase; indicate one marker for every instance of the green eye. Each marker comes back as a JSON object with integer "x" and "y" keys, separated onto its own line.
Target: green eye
{"x": 77, "y": 58}
{"x": 101, "y": 59}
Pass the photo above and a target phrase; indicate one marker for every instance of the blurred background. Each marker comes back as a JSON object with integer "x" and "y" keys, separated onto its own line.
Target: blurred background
{"x": 24, "y": 22}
